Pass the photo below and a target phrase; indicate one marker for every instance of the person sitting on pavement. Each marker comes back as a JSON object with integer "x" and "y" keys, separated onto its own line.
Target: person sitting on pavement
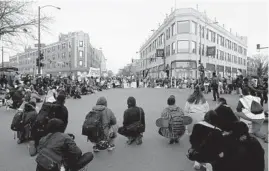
{"x": 28, "y": 118}
{"x": 133, "y": 122}
{"x": 245, "y": 112}
{"x": 169, "y": 113}
{"x": 206, "y": 141}
{"x": 226, "y": 115}
{"x": 108, "y": 121}
{"x": 242, "y": 151}
{"x": 196, "y": 107}
{"x": 63, "y": 114}
{"x": 51, "y": 95}
{"x": 61, "y": 145}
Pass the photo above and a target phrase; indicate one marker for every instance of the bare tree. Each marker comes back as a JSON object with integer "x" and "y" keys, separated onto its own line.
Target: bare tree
{"x": 261, "y": 61}
{"x": 17, "y": 21}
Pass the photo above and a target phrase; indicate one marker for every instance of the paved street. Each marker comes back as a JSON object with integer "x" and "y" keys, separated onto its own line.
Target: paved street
{"x": 153, "y": 155}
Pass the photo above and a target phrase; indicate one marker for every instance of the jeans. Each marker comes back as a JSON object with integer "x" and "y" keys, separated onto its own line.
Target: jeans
{"x": 215, "y": 92}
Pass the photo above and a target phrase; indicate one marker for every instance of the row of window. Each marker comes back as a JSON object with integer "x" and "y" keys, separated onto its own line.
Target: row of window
{"x": 183, "y": 46}
{"x": 81, "y": 55}
{"x": 191, "y": 27}
{"x": 50, "y": 49}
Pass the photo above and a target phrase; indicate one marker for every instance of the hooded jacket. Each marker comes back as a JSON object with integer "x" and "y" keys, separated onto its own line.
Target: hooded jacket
{"x": 133, "y": 113}
{"x": 244, "y": 105}
{"x": 108, "y": 117}
{"x": 226, "y": 118}
{"x": 168, "y": 113}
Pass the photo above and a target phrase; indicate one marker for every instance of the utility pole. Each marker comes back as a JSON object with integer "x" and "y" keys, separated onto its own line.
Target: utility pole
{"x": 2, "y": 53}
{"x": 38, "y": 49}
{"x": 2, "y": 56}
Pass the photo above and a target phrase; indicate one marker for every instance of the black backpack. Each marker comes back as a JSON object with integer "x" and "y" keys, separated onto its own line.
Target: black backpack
{"x": 47, "y": 112}
{"x": 17, "y": 121}
{"x": 92, "y": 126}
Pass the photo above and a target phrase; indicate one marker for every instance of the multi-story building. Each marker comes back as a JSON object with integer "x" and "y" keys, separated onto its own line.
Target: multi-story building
{"x": 6, "y": 64}
{"x": 185, "y": 35}
{"x": 72, "y": 53}
{"x": 252, "y": 66}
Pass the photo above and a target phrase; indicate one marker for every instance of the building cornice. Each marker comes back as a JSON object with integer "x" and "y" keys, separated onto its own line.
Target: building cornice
{"x": 183, "y": 12}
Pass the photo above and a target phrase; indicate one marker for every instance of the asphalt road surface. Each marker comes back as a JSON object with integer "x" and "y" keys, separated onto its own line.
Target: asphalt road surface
{"x": 155, "y": 154}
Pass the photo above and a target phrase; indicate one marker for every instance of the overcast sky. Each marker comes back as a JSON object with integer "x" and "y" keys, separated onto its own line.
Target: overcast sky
{"x": 121, "y": 26}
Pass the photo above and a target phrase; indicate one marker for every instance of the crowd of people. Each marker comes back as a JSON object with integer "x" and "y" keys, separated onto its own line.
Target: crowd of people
{"x": 224, "y": 138}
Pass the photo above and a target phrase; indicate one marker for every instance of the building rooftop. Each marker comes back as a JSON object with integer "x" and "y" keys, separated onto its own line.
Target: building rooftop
{"x": 202, "y": 16}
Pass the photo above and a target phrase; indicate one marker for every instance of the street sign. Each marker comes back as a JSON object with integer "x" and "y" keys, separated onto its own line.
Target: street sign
{"x": 211, "y": 51}
{"x": 159, "y": 52}
{"x": 41, "y": 45}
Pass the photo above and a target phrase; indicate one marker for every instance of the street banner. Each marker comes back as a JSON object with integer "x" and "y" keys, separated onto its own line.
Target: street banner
{"x": 211, "y": 51}
{"x": 159, "y": 52}
{"x": 94, "y": 72}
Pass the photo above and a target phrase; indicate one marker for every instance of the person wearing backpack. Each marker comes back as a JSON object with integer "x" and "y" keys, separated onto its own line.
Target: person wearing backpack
{"x": 48, "y": 111}
{"x": 172, "y": 112}
{"x": 105, "y": 120}
{"x": 58, "y": 150}
{"x": 251, "y": 112}
{"x": 28, "y": 118}
{"x": 133, "y": 123}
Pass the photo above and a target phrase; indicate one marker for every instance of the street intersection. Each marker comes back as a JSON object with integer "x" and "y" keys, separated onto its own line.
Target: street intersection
{"x": 155, "y": 154}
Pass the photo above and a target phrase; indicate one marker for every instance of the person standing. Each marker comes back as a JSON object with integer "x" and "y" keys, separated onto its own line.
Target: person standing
{"x": 265, "y": 90}
{"x": 215, "y": 86}
{"x": 230, "y": 84}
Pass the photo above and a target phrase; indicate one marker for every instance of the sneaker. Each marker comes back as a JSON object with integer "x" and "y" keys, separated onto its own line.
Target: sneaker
{"x": 176, "y": 141}
{"x": 32, "y": 149}
{"x": 196, "y": 165}
{"x": 130, "y": 141}
{"x": 95, "y": 149}
{"x": 19, "y": 141}
{"x": 139, "y": 140}
{"x": 111, "y": 147}
{"x": 171, "y": 141}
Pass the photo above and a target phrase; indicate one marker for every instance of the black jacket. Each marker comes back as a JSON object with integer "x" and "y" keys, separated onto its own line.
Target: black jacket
{"x": 226, "y": 118}
{"x": 61, "y": 144}
{"x": 134, "y": 114}
{"x": 63, "y": 115}
{"x": 245, "y": 155}
{"x": 208, "y": 141}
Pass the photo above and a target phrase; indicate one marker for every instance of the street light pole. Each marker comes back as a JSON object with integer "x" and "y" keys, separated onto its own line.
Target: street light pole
{"x": 38, "y": 46}
{"x": 39, "y": 41}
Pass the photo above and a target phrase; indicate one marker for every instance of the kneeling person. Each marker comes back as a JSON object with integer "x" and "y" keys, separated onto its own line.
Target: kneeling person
{"x": 60, "y": 148}
{"x": 174, "y": 114}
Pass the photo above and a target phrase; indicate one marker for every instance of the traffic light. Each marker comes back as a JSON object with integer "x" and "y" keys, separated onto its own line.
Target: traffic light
{"x": 199, "y": 61}
{"x": 37, "y": 62}
{"x": 41, "y": 56}
{"x": 258, "y": 46}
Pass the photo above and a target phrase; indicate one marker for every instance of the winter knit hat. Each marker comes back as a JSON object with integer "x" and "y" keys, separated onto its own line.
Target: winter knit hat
{"x": 102, "y": 101}
{"x": 131, "y": 102}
